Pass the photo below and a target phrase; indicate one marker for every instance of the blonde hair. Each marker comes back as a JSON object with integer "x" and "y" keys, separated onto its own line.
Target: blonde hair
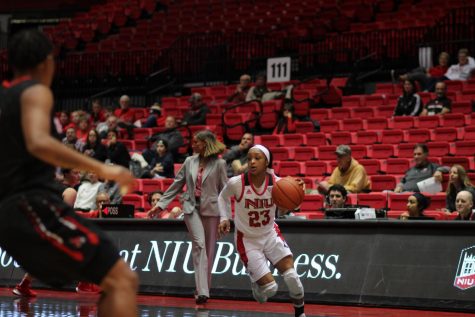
{"x": 462, "y": 178}
{"x": 213, "y": 146}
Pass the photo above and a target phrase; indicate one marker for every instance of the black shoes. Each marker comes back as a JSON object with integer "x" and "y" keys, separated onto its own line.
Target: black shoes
{"x": 201, "y": 299}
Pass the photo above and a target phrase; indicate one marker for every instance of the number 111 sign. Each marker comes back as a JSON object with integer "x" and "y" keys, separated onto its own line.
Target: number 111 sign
{"x": 278, "y": 69}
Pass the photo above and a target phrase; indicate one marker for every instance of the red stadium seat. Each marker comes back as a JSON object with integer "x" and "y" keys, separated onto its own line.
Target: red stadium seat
{"x": 367, "y": 137}
{"x": 466, "y": 162}
{"x": 307, "y": 153}
{"x": 375, "y": 101}
{"x": 469, "y": 133}
{"x": 428, "y": 122}
{"x": 437, "y": 201}
{"x": 453, "y": 120}
{"x": 359, "y": 151}
{"x": 330, "y": 125}
{"x": 363, "y": 112}
{"x": 439, "y": 148}
{"x": 352, "y": 125}
{"x": 464, "y": 148}
{"x": 392, "y": 137}
{"x": 397, "y": 166}
{"x": 340, "y": 113}
{"x": 271, "y": 140}
{"x": 295, "y": 139}
{"x": 281, "y": 153}
{"x": 319, "y": 114}
{"x": 327, "y": 152}
{"x": 133, "y": 199}
{"x": 316, "y": 168}
{"x": 372, "y": 166}
{"x": 463, "y": 106}
{"x": 337, "y": 138}
{"x": 382, "y": 151}
{"x": 385, "y": 111}
{"x": 377, "y": 123}
{"x": 398, "y": 201}
{"x": 373, "y": 200}
{"x": 444, "y": 134}
{"x": 312, "y": 203}
{"x": 403, "y": 122}
{"x": 418, "y": 135}
{"x": 290, "y": 169}
{"x": 304, "y": 127}
{"x": 406, "y": 150}
{"x": 316, "y": 139}
{"x": 382, "y": 182}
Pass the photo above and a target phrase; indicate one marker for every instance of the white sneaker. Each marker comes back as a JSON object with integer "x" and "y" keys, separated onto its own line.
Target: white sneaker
{"x": 261, "y": 298}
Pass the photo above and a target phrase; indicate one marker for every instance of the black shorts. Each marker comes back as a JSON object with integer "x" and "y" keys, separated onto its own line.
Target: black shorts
{"x": 49, "y": 241}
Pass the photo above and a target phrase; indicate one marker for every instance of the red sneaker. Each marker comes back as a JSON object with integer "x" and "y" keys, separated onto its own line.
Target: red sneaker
{"x": 23, "y": 291}
{"x": 84, "y": 287}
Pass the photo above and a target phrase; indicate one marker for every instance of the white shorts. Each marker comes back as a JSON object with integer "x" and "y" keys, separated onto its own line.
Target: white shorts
{"x": 255, "y": 252}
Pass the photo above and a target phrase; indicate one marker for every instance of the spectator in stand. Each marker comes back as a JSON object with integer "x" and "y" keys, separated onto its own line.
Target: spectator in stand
{"x": 428, "y": 78}
{"x": 464, "y": 68}
{"x": 241, "y": 91}
{"x": 82, "y": 130}
{"x": 458, "y": 181}
{"x": 97, "y": 113}
{"x": 117, "y": 152}
{"x": 236, "y": 156}
{"x": 336, "y": 197}
{"x": 113, "y": 191}
{"x": 94, "y": 148}
{"x": 409, "y": 103}
{"x": 155, "y": 118}
{"x": 62, "y": 123}
{"x": 87, "y": 192}
{"x": 464, "y": 204}
{"x": 349, "y": 173}
{"x": 161, "y": 164}
{"x": 422, "y": 170}
{"x": 262, "y": 93}
{"x": 126, "y": 116}
{"x": 102, "y": 127}
{"x": 287, "y": 119}
{"x": 441, "y": 104}
{"x": 70, "y": 140}
{"x": 171, "y": 134}
{"x": 416, "y": 204}
{"x": 197, "y": 113}
{"x": 175, "y": 213}
{"x": 112, "y": 124}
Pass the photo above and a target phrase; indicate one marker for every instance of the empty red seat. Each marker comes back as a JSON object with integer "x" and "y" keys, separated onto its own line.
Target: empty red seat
{"x": 327, "y": 152}
{"x": 372, "y": 166}
{"x": 290, "y": 169}
{"x": 398, "y": 201}
{"x": 281, "y": 153}
{"x": 444, "y": 134}
{"x": 351, "y": 101}
{"x": 316, "y": 168}
{"x": 352, "y": 125}
{"x": 382, "y": 151}
{"x": 295, "y": 139}
{"x": 397, "y": 165}
{"x": 367, "y": 137}
{"x": 428, "y": 122}
{"x": 392, "y": 137}
{"x": 373, "y": 200}
{"x": 312, "y": 203}
{"x": 363, "y": 112}
{"x": 319, "y": 114}
{"x": 316, "y": 139}
{"x": 377, "y": 123}
{"x": 438, "y": 148}
{"x": 149, "y": 185}
{"x": 463, "y": 106}
{"x": 406, "y": 150}
{"x": 466, "y": 162}
{"x": 304, "y": 127}
{"x": 133, "y": 199}
{"x": 385, "y": 111}
{"x": 403, "y": 123}
{"x": 453, "y": 120}
{"x": 340, "y": 113}
{"x": 375, "y": 101}
{"x": 380, "y": 183}
{"x": 418, "y": 135}
{"x": 359, "y": 151}
{"x": 271, "y": 140}
{"x": 469, "y": 133}
{"x": 437, "y": 201}
{"x": 337, "y": 138}
{"x": 141, "y": 145}
{"x": 464, "y": 148}
{"x": 329, "y": 125}
{"x": 384, "y": 88}
{"x": 305, "y": 153}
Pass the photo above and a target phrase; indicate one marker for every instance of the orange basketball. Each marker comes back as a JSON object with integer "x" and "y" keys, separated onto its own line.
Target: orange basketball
{"x": 287, "y": 193}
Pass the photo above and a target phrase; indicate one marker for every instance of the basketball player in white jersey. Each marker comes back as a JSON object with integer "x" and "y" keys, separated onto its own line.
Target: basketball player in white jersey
{"x": 257, "y": 237}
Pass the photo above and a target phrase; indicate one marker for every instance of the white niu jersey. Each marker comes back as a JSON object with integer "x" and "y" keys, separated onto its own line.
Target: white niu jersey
{"x": 254, "y": 209}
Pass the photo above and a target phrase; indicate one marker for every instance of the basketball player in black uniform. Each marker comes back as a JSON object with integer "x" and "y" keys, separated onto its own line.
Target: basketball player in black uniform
{"x": 40, "y": 231}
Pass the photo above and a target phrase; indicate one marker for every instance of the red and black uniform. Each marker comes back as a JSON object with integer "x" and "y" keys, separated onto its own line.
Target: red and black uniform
{"x": 40, "y": 231}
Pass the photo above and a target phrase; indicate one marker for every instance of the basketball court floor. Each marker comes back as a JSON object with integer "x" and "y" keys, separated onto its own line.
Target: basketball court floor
{"x": 59, "y": 304}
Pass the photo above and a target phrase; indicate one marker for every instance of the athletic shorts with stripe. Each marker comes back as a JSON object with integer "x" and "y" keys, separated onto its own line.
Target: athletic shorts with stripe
{"x": 49, "y": 241}
{"x": 256, "y": 251}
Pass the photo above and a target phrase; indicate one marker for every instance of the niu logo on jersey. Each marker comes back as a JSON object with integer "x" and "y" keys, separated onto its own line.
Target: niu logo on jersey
{"x": 258, "y": 203}
{"x": 465, "y": 276}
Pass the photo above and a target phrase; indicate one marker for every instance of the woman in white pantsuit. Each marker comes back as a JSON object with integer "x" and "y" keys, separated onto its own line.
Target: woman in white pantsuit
{"x": 205, "y": 176}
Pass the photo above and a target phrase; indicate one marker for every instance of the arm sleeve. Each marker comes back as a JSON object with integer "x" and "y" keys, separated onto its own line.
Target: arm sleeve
{"x": 417, "y": 105}
{"x": 224, "y": 199}
{"x": 174, "y": 188}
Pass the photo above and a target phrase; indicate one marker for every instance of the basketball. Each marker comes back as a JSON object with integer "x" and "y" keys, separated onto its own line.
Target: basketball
{"x": 287, "y": 193}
